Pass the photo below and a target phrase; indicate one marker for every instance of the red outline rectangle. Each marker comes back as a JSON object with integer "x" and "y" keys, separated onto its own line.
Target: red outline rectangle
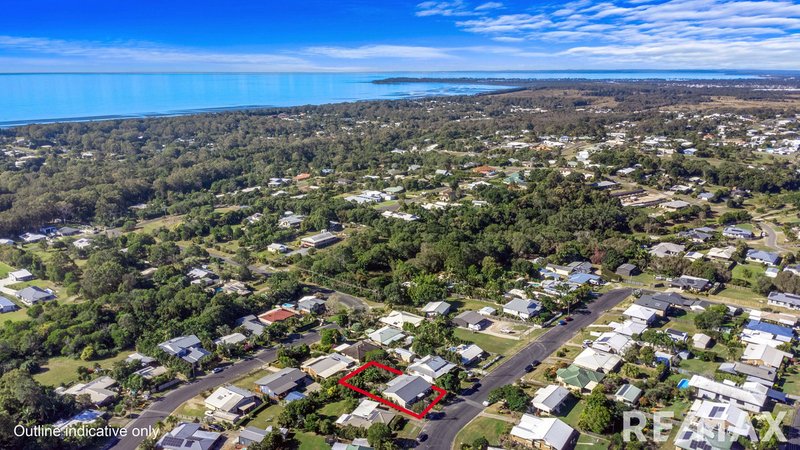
{"x": 421, "y": 415}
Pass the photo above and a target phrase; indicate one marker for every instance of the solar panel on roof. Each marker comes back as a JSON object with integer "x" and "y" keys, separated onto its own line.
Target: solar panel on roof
{"x": 172, "y": 441}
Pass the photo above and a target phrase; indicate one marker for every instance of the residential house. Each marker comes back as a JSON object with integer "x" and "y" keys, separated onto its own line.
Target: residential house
{"x": 690, "y": 283}
{"x": 290, "y": 220}
{"x": 661, "y": 306}
{"x": 724, "y": 253}
{"x": 431, "y": 368}
{"x": 676, "y": 335}
{"x": 99, "y": 390}
{"x": 762, "y": 257}
{"x": 230, "y": 339}
{"x": 729, "y": 393}
{"x": 251, "y": 324}
{"x": 398, "y": 318}
{"x": 765, "y": 375}
{"x": 471, "y": 320}
{"x": 311, "y": 304}
{"x": 468, "y": 353}
{"x": 406, "y": 389}
{"x": 236, "y": 288}
{"x": 701, "y": 341}
{"x": 597, "y": 360}
{"x": 328, "y": 365}
{"x": 550, "y": 399}
{"x": 714, "y": 426}
{"x": 319, "y": 240}
{"x": 522, "y": 308}
{"x": 232, "y": 400}
{"x": 674, "y": 205}
{"x": 764, "y": 355}
{"x": 188, "y": 348}
{"x": 188, "y": 436}
{"x": 82, "y": 243}
{"x": 359, "y": 350}
{"x": 628, "y": 327}
{"x": 386, "y": 335}
{"x": 32, "y": 295}
{"x": 578, "y": 378}
{"x": 367, "y": 413}
{"x": 277, "y": 248}
{"x": 253, "y": 435}
{"x": 628, "y": 394}
{"x": 277, "y": 385}
{"x": 434, "y": 309}
{"x": 20, "y": 275}
{"x": 737, "y": 233}
{"x": 544, "y": 433}
{"x": 276, "y": 315}
{"x": 7, "y": 305}
{"x": 641, "y": 314}
{"x": 665, "y": 249}
{"x": 612, "y": 342}
{"x": 627, "y": 270}
{"x": 784, "y": 300}
{"x": 755, "y": 331}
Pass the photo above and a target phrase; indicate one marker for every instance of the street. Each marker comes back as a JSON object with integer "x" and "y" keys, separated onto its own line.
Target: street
{"x": 159, "y": 410}
{"x": 442, "y": 433}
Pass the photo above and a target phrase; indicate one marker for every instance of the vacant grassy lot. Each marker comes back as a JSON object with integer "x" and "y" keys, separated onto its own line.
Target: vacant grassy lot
{"x": 63, "y": 370}
{"x": 268, "y": 416}
{"x": 489, "y": 343}
{"x": 487, "y": 427}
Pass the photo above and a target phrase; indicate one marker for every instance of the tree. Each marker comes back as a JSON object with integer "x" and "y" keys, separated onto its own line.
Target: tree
{"x": 596, "y": 416}
{"x": 379, "y": 434}
{"x": 711, "y": 319}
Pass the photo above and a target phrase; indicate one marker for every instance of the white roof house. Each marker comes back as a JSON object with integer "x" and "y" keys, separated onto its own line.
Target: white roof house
{"x": 99, "y": 390}
{"x": 597, "y": 360}
{"x": 729, "y": 393}
{"x": 386, "y": 335}
{"x": 20, "y": 275}
{"x": 550, "y": 398}
{"x": 724, "y": 253}
{"x": 431, "y": 368}
{"x": 628, "y": 327}
{"x": 544, "y": 432}
{"x": 328, "y": 365}
{"x": 612, "y": 342}
{"x": 641, "y": 314}
{"x": 764, "y": 355}
{"x": 406, "y": 389}
{"x": 714, "y": 425}
{"x": 231, "y": 399}
{"x": 366, "y": 413}
{"x": 665, "y": 249}
{"x": 469, "y": 353}
{"x": 231, "y": 339}
{"x": 522, "y": 308}
{"x": 436, "y": 308}
{"x": 398, "y": 318}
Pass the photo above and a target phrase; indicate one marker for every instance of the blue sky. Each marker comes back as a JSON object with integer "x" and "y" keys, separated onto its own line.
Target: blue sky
{"x": 392, "y": 35}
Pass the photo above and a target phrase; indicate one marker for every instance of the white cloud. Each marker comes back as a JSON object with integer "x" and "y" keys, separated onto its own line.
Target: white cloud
{"x": 642, "y": 33}
{"x": 380, "y": 51}
{"x": 144, "y": 54}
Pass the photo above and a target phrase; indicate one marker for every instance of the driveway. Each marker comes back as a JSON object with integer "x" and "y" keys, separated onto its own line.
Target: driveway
{"x": 442, "y": 432}
{"x": 159, "y": 410}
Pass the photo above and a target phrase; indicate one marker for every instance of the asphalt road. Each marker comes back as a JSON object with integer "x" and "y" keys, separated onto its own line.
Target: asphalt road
{"x": 442, "y": 432}
{"x": 158, "y": 411}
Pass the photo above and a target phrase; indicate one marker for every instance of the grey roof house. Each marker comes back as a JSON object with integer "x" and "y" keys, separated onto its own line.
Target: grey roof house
{"x": 188, "y": 348}
{"x": 32, "y": 295}
{"x": 282, "y": 382}
{"x": 406, "y": 389}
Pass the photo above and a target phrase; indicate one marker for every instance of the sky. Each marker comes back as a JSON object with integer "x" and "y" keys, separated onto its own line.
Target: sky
{"x": 392, "y": 35}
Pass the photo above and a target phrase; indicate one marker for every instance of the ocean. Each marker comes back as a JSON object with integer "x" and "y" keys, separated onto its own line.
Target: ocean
{"x": 52, "y": 97}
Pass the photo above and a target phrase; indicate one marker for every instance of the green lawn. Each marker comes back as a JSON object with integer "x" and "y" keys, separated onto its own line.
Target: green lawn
{"x": 586, "y": 442}
{"x": 697, "y": 366}
{"x": 247, "y": 381}
{"x": 747, "y": 272}
{"x": 334, "y": 409}
{"x": 487, "y": 342}
{"x": 63, "y": 370}
{"x": 4, "y": 269}
{"x": 311, "y": 441}
{"x": 573, "y": 414}
{"x": 15, "y": 316}
{"x": 487, "y": 427}
{"x": 791, "y": 384}
{"x": 410, "y": 430}
{"x": 266, "y": 417}
{"x": 194, "y": 408}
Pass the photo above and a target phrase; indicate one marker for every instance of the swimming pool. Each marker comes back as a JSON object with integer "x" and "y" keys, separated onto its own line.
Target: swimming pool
{"x": 683, "y": 384}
